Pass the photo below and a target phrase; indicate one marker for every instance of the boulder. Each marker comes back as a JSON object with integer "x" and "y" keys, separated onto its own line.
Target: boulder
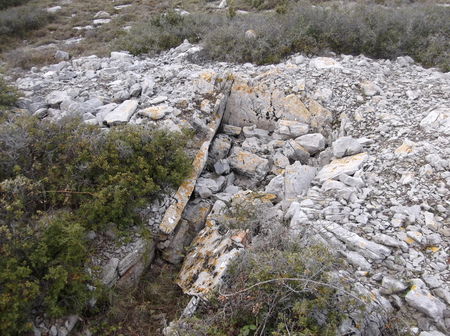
{"x": 346, "y": 146}
{"x": 313, "y": 143}
{"x": 56, "y": 97}
{"x": 437, "y": 120}
{"x": 421, "y": 299}
{"x": 248, "y": 164}
{"x": 121, "y": 114}
{"x": 288, "y": 129}
{"x": 295, "y": 152}
{"x": 297, "y": 180}
{"x": 220, "y": 147}
{"x": 348, "y": 165}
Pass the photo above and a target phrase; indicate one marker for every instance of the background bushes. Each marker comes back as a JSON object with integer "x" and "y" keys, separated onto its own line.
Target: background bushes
{"x": 57, "y": 182}
{"x": 420, "y": 31}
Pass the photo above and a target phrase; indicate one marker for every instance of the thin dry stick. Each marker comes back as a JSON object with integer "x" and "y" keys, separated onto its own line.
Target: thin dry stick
{"x": 71, "y": 192}
{"x": 292, "y": 279}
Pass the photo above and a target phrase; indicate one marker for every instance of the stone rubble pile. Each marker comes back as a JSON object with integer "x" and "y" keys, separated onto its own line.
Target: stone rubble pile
{"x": 353, "y": 149}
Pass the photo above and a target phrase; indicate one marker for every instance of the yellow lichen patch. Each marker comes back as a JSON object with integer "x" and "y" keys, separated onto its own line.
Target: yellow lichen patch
{"x": 406, "y": 148}
{"x": 409, "y": 240}
{"x": 433, "y": 249}
{"x": 294, "y": 108}
{"x": 207, "y": 75}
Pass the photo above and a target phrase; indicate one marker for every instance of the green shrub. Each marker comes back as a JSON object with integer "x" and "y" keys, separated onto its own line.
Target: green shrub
{"x": 420, "y": 31}
{"x": 20, "y": 20}
{"x": 162, "y": 32}
{"x": 281, "y": 286}
{"x": 8, "y": 94}
{"x": 12, "y": 3}
{"x": 59, "y": 180}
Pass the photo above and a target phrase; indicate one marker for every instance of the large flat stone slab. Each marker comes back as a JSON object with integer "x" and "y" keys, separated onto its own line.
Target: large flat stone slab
{"x": 347, "y": 165}
{"x": 122, "y": 113}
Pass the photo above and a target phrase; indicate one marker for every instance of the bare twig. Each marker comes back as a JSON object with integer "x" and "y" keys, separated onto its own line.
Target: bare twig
{"x": 70, "y": 192}
{"x": 293, "y": 279}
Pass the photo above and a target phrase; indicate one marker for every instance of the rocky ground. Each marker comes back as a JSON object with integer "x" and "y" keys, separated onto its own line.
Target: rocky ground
{"x": 354, "y": 149}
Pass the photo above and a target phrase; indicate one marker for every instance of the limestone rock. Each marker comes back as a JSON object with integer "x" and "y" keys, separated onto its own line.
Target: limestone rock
{"x": 220, "y": 147}
{"x": 295, "y": 152}
{"x": 121, "y": 114}
{"x": 288, "y": 129}
{"x": 313, "y": 143}
{"x": 248, "y": 164}
{"x": 204, "y": 266}
{"x": 56, "y": 97}
{"x": 324, "y": 63}
{"x": 156, "y": 112}
{"x": 421, "y": 299}
{"x": 346, "y": 146}
{"x": 392, "y": 286}
{"x": 348, "y": 165}
{"x": 297, "y": 179}
{"x": 437, "y": 120}
{"x": 222, "y": 167}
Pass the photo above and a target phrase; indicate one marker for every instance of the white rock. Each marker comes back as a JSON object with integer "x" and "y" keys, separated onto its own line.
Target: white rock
{"x": 351, "y": 181}
{"x": 324, "y": 63}
{"x": 248, "y": 164}
{"x": 121, "y": 114}
{"x": 313, "y": 143}
{"x": 437, "y": 120}
{"x": 297, "y": 179}
{"x": 348, "y": 165}
{"x": 421, "y": 299}
{"x": 56, "y": 97}
{"x": 346, "y": 146}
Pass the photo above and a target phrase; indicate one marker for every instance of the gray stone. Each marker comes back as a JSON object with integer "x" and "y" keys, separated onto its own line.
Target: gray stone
{"x": 121, "y": 114}
{"x": 280, "y": 160}
{"x": 324, "y": 63}
{"x": 297, "y": 179}
{"x": 431, "y": 333}
{"x": 357, "y": 260}
{"x": 222, "y": 167}
{"x": 110, "y": 272}
{"x": 41, "y": 113}
{"x": 351, "y": 181}
{"x": 370, "y": 89}
{"x": 56, "y": 97}
{"x": 421, "y": 299}
{"x": 205, "y": 187}
{"x": 392, "y": 286}
{"x": 252, "y": 131}
{"x": 313, "y": 143}
{"x": 61, "y": 56}
{"x": 437, "y": 120}
{"x": 332, "y": 185}
{"x": 276, "y": 187}
{"x": 288, "y": 129}
{"x": 248, "y": 164}
{"x": 348, "y": 165}
{"x": 295, "y": 152}
{"x": 231, "y": 130}
{"x": 366, "y": 247}
{"x": 220, "y": 147}
{"x": 346, "y": 146}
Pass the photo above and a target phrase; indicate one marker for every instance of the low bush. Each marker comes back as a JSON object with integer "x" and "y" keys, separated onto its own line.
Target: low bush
{"x": 162, "y": 32}
{"x": 12, "y": 3}
{"x": 279, "y": 288}
{"x": 421, "y": 31}
{"x": 8, "y": 95}
{"x": 20, "y": 20}
{"x": 59, "y": 180}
